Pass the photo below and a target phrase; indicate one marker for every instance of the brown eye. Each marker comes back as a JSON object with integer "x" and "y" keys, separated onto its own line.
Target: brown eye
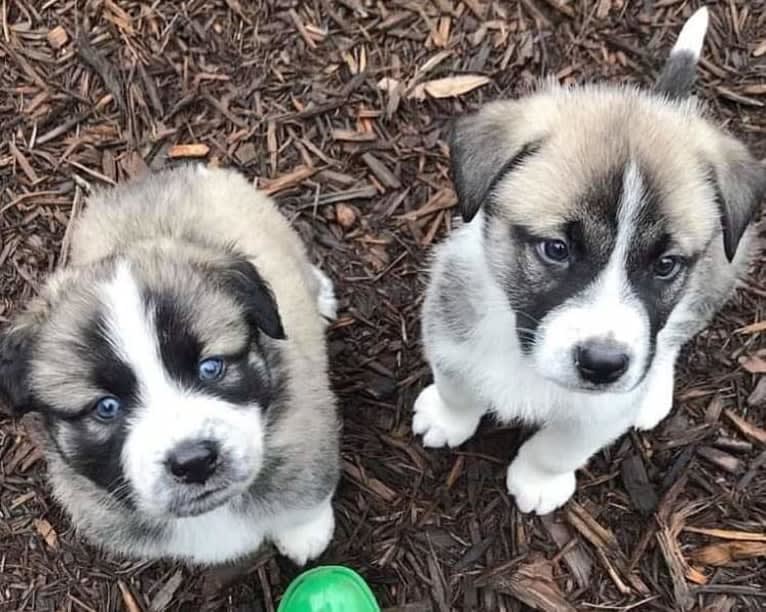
{"x": 553, "y": 251}
{"x": 667, "y": 266}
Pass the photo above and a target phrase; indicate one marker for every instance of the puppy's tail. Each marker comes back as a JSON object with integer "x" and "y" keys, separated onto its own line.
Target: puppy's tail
{"x": 680, "y": 70}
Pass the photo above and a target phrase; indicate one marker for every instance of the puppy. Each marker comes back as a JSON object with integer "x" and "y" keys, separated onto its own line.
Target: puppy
{"x": 179, "y": 365}
{"x": 605, "y": 227}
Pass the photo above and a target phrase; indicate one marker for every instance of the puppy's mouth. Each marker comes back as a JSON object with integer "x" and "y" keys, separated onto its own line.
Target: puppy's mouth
{"x": 187, "y": 505}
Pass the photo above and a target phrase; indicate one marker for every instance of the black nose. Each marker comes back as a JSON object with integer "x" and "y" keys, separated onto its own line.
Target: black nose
{"x": 193, "y": 461}
{"x": 600, "y": 362}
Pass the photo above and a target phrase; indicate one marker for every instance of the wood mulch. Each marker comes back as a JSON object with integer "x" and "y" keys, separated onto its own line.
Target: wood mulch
{"x": 337, "y": 107}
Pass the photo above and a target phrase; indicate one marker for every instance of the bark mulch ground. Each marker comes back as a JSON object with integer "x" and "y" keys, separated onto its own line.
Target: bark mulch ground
{"x": 337, "y": 107}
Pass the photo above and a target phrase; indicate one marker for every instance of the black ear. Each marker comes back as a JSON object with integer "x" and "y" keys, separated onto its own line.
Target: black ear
{"x": 680, "y": 70}
{"x": 15, "y": 352}
{"x": 740, "y": 183}
{"x": 242, "y": 279}
{"x": 483, "y": 151}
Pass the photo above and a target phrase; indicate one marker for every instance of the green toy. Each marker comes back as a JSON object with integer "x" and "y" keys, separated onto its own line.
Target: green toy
{"x": 328, "y": 588}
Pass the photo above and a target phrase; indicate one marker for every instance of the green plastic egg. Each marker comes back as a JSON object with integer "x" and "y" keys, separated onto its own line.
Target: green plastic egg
{"x": 328, "y": 588}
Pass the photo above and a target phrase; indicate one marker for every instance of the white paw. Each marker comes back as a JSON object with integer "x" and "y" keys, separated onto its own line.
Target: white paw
{"x": 326, "y": 300}
{"x": 536, "y": 491}
{"x": 307, "y": 540}
{"x": 438, "y": 425}
{"x": 655, "y": 406}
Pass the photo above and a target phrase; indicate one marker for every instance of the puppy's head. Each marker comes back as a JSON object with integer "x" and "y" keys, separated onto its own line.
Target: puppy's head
{"x": 153, "y": 374}
{"x": 598, "y": 205}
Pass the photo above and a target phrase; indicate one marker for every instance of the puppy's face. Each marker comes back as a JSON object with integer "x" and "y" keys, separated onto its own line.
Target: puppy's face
{"x": 594, "y": 272}
{"x": 604, "y": 210}
{"x": 154, "y": 378}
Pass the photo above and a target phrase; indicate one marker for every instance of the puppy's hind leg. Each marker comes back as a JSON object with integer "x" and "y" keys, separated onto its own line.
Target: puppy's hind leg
{"x": 327, "y": 303}
{"x": 446, "y": 413}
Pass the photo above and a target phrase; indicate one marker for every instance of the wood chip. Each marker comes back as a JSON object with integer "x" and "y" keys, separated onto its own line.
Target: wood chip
{"x": 753, "y": 328}
{"x": 57, "y": 37}
{"x": 381, "y": 172}
{"x": 180, "y": 151}
{"x": 533, "y": 585}
{"x": 755, "y": 364}
{"x": 127, "y": 598}
{"x": 573, "y": 553}
{"x": 746, "y": 428}
{"x": 642, "y": 493}
{"x": 353, "y": 136}
{"x": 345, "y": 215}
{"x": 728, "y": 552}
{"x": 286, "y": 181}
{"x": 47, "y": 532}
{"x": 728, "y": 534}
{"x": 450, "y": 87}
{"x": 164, "y": 596}
{"x": 720, "y": 459}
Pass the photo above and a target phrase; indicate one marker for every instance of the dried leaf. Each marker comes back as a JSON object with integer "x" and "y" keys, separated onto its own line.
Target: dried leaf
{"x": 449, "y": 87}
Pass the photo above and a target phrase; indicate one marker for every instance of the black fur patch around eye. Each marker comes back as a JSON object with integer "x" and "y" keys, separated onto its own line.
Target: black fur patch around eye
{"x": 180, "y": 349}
{"x": 98, "y": 456}
{"x": 245, "y": 381}
{"x": 546, "y": 287}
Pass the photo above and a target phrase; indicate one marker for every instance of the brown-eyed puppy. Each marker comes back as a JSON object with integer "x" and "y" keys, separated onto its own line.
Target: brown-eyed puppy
{"x": 179, "y": 364}
{"x": 606, "y": 225}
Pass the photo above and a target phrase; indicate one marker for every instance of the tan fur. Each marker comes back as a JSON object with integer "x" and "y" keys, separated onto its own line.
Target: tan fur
{"x": 590, "y": 129}
{"x": 221, "y": 208}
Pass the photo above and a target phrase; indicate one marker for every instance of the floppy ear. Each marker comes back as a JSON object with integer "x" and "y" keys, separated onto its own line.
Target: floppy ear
{"x": 241, "y": 278}
{"x": 15, "y": 352}
{"x": 740, "y": 182}
{"x": 680, "y": 70}
{"x": 483, "y": 151}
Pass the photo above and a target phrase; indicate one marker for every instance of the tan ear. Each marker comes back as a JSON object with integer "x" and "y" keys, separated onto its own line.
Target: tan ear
{"x": 483, "y": 149}
{"x": 16, "y": 345}
{"x": 740, "y": 182}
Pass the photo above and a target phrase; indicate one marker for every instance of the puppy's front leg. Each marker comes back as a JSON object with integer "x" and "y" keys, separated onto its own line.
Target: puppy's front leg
{"x": 446, "y": 413}
{"x": 304, "y": 535}
{"x": 658, "y": 396}
{"x": 542, "y": 477}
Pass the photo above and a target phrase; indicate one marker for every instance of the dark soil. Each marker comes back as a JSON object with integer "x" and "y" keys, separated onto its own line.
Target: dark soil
{"x": 292, "y": 93}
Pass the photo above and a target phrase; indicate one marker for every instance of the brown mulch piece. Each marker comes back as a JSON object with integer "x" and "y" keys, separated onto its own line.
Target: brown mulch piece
{"x": 337, "y": 107}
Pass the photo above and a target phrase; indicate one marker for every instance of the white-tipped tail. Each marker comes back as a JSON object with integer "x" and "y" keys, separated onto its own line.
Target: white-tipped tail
{"x": 693, "y": 34}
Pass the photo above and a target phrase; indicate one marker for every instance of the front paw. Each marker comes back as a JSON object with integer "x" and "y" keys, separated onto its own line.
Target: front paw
{"x": 305, "y": 541}
{"x": 438, "y": 425}
{"x": 536, "y": 491}
{"x": 654, "y": 408}
{"x": 327, "y": 303}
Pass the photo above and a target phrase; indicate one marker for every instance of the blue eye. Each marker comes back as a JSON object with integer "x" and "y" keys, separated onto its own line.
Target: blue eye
{"x": 108, "y": 407}
{"x": 210, "y": 369}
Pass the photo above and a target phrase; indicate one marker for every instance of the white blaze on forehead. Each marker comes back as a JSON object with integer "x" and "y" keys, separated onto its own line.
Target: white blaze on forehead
{"x": 612, "y": 288}
{"x": 607, "y": 309}
{"x": 130, "y": 328}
